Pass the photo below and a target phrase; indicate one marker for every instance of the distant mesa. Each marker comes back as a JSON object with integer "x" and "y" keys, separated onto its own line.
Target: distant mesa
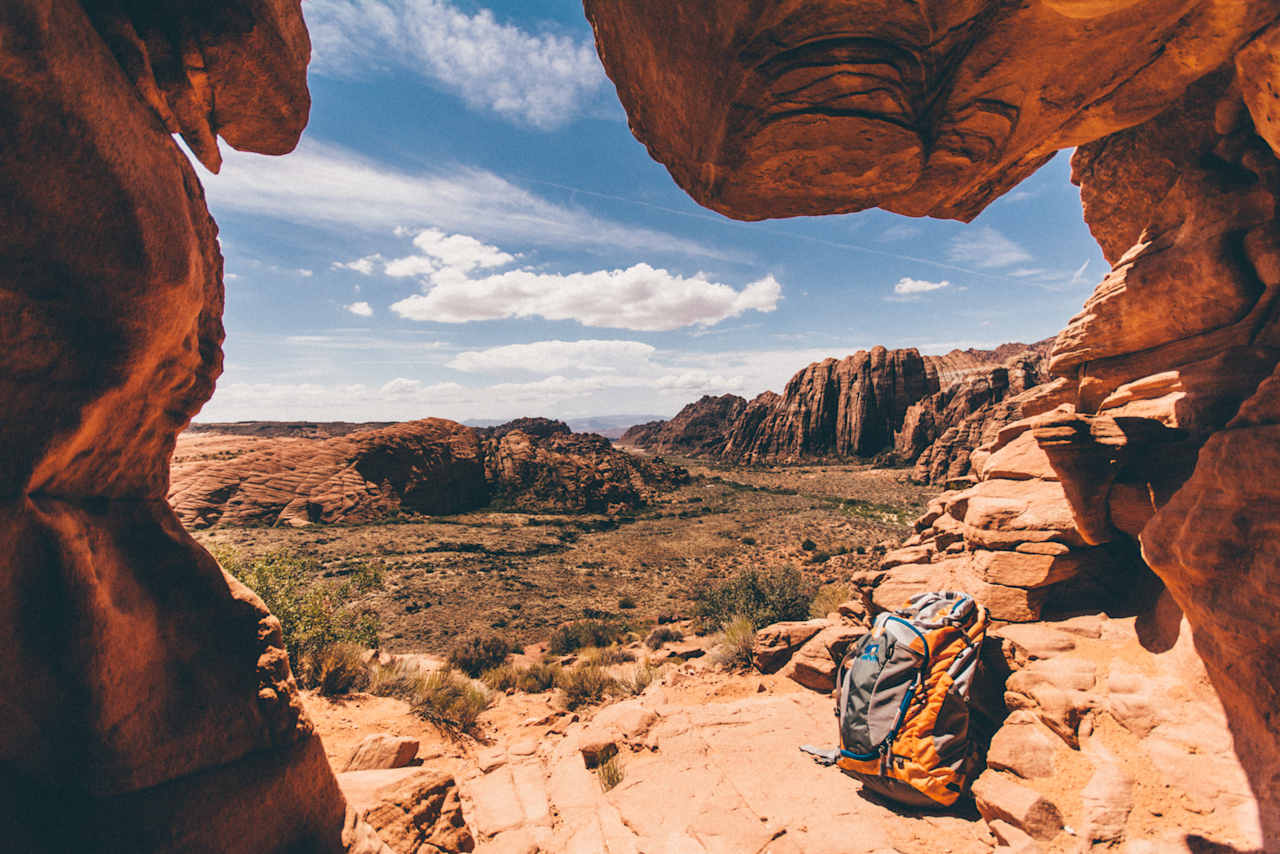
{"x": 302, "y": 473}
{"x": 896, "y": 404}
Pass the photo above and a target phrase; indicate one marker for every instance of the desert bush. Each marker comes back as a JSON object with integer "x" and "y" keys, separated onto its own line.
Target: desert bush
{"x": 585, "y": 684}
{"x": 338, "y": 669}
{"x": 538, "y": 677}
{"x": 473, "y": 654}
{"x": 748, "y": 541}
{"x": 450, "y": 701}
{"x": 584, "y": 633}
{"x": 761, "y": 596}
{"x": 736, "y": 642}
{"x": 808, "y": 545}
{"x": 639, "y": 678}
{"x": 314, "y": 614}
{"x": 504, "y": 677}
{"x": 604, "y": 656}
{"x": 829, "y": 598}
{"x": 399, "y": 680}
{"x": 609, "y": 773}
{"x": 661, "y": 635}
{"x": 626, "y": 603}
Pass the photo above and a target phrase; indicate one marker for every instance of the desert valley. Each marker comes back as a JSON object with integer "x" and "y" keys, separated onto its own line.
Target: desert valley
{"x": 271, "y": 599}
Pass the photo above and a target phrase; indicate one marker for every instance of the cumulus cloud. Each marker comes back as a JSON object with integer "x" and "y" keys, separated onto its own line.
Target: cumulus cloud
{"x": 918, "y": 286}
{"x": 549, "y": 357}
{"x": 440, "y": 251}
{"x": 541, "y": 79}
{"x": 639, "y": 297}
{"x": 327, "y": 185}
{"x": 361, "y": 309}
{"x": 986, "y": 248}
{"x": 364, "y": 266}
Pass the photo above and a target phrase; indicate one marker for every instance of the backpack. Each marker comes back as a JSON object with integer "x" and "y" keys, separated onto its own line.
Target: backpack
{"x": 903, "y": 701}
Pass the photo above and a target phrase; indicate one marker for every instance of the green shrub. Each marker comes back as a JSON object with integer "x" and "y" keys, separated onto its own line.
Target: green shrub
{"x": 736, "y": 642}
{"x": 476, "y": 653}
{"x": 450, "y": 701}
{"x": 585, "y": 684}
{"x": 762, "y": 596}
{"x": 583, "y": 633}
{"x": 661, "y": 635}
{"x": 504, "y": 677}
{"x": 626, "y": 603}
{"x": 338, "y": 669}
{"x": 314, "y": 614}
{"x": 399, "y": 680}
{"x": 808, "y": 545}
{"x": 748, "y": 541}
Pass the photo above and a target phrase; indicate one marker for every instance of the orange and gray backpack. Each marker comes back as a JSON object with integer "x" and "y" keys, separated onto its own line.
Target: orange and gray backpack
{"x": 904, "y": 701}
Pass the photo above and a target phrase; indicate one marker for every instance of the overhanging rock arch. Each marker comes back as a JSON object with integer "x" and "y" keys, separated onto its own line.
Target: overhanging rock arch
{"x": 1170, "y": 435}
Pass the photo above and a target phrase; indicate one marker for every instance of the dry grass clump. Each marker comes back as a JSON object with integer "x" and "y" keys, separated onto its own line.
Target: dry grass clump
{"x": 662, "y": 635}
{"x": 639, "y": 678}
{"x": 445, "y": 698}
{"x": 606, "y": 656}
{"x": 609, "y": 773}
{"x": 537, "y": 678}
{"x": 585, "y": 684}
{"x": 736, "y": 641}
{"x": 476, "y": 653}
{"x": 829, "y": 598}
{"x": 338, "y": 669}
{"x": 578, "y": 634}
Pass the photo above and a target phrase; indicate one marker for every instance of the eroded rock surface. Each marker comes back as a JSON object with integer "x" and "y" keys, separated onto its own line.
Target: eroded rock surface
{"x": 699, "y": 429}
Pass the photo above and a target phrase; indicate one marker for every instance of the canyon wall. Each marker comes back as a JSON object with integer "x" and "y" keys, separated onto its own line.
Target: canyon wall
{"x": 147, "y": 699}
{"x": 1162, "y": 429}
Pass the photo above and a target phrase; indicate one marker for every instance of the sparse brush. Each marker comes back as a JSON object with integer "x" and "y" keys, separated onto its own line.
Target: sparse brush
{"x": 476, "y": 653}
{"x": 583, "y": 633}
{"x": 585, "y": 684}
{"x": 609, "y": 773}
{"x": 606, "y": 656}
{"x": 640, "y": 678}
{"x": 762, "y": 596}
{"x": 450, "y": 701}
{"x": 338, "y": 669}
{"x": 400, "y": 680}
{"x": 504, "y": 677}
{"x": 829, "y": 598}
{"x": 662, "y": 635}
{"x": 314, "y": 614}
{"x": 626, "y": 603}
{"x": 538, "y": 678}
{"x": 736, "y": 643}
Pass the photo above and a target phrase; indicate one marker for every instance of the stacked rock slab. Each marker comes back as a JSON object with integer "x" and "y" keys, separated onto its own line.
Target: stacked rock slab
{"x": 147, "y": 699}
{"x": 1172, "y": 428}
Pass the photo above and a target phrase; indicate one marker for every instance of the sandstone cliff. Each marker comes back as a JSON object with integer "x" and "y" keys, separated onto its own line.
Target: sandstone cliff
{"x": 699, "y": 429}
{"x": 428, "y": 467}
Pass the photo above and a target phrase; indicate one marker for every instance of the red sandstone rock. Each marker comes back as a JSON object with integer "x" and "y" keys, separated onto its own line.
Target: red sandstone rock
{"x": 382, "y": 750}
{"x": 701, "y": 428}
{"x": 774, "y": 644}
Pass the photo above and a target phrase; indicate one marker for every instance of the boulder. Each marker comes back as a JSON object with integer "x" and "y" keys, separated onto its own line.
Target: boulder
{"x": 1000, "y": 798}
{"x": 413, "y": 813}
{"x": 814, "y": 665}
{"x": 775, "y": 644}
{"x": 1023, "y": 746}
{"x": 382, "y": 750}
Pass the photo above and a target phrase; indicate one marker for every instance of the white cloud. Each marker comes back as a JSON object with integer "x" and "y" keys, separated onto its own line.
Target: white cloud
{"x": 549, "y": 357}
{"x": 918, "y": 286}
{"x": 305, "y": 273}
{"x": 901, "y": 231}
{"x": 639, "y": 297}
{"x": 329, "y": 186}
{"x": 456, "y": 252}
{"x": 540, "y": 79}
{"x": 364, "y": 266}
{"x": 361, "y": 309}
{"x": 986, "y": 248}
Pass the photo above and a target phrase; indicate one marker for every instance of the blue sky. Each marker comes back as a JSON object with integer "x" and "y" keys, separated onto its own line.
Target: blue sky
{"x": 469, "y": 230}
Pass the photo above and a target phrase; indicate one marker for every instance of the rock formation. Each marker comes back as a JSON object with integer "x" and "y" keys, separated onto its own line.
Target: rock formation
{"x": 699, "y": 429}
{"x": 1166, "y": 432}
{"x": 427, "y": 467}
{"x": 934, "y": 409}
{"x": 147, "y": 699}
